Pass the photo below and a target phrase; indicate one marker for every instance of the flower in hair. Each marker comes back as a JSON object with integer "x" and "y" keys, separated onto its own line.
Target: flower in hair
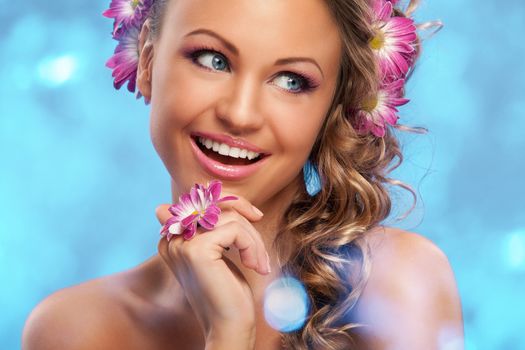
{"x": 380, "y": 109}
{"x": 394, "y": 39}
{"x": 125, "y": 58}
{"x": 127, "y": 12}
{"x": 198, "y": 207}
{"x": 394, "y": 47}
{"x": 129, "y": 17}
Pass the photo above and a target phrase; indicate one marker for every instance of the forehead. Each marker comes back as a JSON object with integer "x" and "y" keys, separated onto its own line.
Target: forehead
{"x": 272, "y": 28}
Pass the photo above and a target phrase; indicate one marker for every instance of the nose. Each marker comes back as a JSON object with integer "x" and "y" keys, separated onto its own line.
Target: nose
{"x": 238, "y": 108}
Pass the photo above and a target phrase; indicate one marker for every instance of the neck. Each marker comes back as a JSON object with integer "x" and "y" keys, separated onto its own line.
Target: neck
{"x": 268, "y": 227}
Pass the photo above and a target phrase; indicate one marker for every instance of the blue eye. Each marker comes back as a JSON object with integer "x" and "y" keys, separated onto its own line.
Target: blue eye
{"x": 293, "y": 82}
{"x": 213, "y": 60}
{"x": 210, "y": 59}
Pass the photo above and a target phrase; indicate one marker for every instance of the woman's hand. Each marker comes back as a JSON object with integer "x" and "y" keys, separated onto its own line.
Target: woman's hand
{"x": 215, "y": 288}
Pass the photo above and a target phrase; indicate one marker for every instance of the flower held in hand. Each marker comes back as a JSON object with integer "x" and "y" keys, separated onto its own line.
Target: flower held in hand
{"x": 199, "y": 207}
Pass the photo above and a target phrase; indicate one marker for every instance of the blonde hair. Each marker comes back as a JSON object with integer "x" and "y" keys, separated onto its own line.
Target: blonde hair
{"x": 329, "y": 255}
{"x": 321, "y": 237}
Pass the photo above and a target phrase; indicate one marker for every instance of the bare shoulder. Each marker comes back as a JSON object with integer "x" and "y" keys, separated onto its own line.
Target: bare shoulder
{"x": 86, "y": 316}
{"x": 406, "y": 250}
{"x": 140, "y": 308}
{"x": 411, "y": 299}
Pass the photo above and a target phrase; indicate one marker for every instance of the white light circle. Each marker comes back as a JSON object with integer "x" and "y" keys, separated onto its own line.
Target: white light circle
{"x": 286, "y": 304}
{"x": 514, "y": 250}
{"x": 58, "y": 70}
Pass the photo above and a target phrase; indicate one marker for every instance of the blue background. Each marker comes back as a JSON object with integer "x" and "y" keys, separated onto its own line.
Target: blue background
{"x": 79, "y": 178}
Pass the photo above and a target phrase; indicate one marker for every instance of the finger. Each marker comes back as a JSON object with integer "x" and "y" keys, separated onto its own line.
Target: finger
{"x": 164, "y": 253}
{"x": 262, "y": 252}
{"x": 162, "y": 248}
{"x": 245, "y": 243}
{"x": 168, "y": 249}
{"x": 242, "y": 206}
{"x": 170, "y": 254}
{"x": 232, "y": 233}
{"x": 163, "y": 213}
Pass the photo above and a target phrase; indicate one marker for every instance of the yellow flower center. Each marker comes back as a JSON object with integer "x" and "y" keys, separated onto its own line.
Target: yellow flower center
{"x": 378, "y": 41}
{"x": 135, "y": 3}
{"x": 370, "y": 104}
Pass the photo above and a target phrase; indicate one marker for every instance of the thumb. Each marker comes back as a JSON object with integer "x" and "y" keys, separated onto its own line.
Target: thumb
{"x": 163, "y": 213}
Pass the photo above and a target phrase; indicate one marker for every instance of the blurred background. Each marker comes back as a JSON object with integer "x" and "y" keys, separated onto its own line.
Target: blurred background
{"x": 79, "y": 178}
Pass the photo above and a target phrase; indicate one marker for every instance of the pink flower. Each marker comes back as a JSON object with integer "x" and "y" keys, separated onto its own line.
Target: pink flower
{"x": 127, "y": 12}
{"x": 129, "y": 17}
{"x": 393, "y": 43}
{"x": 380, "y": 110}
{"x": 124, "y": 62}
{"x": 199, "y": 207}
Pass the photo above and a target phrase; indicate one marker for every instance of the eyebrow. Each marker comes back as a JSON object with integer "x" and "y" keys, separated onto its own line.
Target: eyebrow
{"x": 235, "y": 51}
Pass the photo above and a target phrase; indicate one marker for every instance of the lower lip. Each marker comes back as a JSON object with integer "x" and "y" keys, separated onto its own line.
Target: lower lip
{"x": 224, "y": 171}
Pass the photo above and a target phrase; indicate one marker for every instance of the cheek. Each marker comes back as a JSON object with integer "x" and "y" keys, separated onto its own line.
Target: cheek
{"x": 180, "y": 96}
{"x": 178, "y": 99}
{"x": 296, "y": 126}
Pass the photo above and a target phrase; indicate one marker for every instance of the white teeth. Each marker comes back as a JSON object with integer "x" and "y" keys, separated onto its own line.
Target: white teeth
{"x": 234, "y": 152}
{"x": 226, "y": 150}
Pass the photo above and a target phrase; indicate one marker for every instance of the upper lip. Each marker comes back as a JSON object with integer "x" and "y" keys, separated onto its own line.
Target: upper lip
{"x": 231, "y": 141}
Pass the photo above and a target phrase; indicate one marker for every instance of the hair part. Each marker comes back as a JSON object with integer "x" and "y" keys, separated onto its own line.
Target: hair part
{"x": 156, "y": 17}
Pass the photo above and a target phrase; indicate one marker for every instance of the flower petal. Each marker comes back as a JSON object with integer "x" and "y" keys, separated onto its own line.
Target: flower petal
{"x": 183, "y": 208}
{"x": 388, "y": 98}
{"x": 168, "y": 222}
{"x": 214, "y": 189}
{"x": 187, "y": 221}
{"x": 213, "y": 209}
{"x": 189, "y": 232}
{"x": 205, "y": 224}
{"x": 175, "y": 228}
{"x": 195, "y": 201}
{"x": 125, "y": 59}
{"x": 196, "y": 208}
{"x": 227, "y": 198}
{"x": 394, "y": 42}
{"x": 211, "y": 218}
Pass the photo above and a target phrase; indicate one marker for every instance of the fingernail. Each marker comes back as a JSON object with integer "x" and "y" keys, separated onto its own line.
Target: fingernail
{"x": 255, "y": 209}
{"x": 268, "y": 261}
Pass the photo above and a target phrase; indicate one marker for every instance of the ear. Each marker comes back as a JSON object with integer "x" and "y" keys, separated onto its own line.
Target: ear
{"x": 145, "y": 64}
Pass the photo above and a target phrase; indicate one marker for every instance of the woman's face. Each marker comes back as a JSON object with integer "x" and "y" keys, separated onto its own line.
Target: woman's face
{"x": 262, "y": 72}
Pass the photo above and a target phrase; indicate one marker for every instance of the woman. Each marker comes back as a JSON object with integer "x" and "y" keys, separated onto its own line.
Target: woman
{"x": 306, "y": 90}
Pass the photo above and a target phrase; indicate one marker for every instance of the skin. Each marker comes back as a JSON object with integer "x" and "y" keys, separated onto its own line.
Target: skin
{"x": 154, "y": 306}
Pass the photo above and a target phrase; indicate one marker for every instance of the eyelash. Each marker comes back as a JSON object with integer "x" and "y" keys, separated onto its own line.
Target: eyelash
{"x": 194, "y": 53}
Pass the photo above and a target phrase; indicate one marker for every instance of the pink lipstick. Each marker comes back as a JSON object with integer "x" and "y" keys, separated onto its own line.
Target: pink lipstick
{"x": 227, "y": 171}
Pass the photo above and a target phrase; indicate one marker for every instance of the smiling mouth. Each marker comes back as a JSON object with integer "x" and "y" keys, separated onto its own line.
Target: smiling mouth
{"x": 228, "y": 160}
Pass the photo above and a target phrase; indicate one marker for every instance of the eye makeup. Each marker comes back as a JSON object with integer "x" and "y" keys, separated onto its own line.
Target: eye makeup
{"x": 192, "y": 53}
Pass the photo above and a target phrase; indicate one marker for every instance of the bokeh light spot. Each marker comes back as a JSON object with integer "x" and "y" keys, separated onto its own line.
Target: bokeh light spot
{"x": 56, "y": 71}
{"x": 451, "y": 338}
{"x": 286, "y": 304}
{"x": 514, "y": 250}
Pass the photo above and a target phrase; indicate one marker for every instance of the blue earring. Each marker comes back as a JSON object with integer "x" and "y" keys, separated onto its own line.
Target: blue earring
{"x": 312, "y": 180}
